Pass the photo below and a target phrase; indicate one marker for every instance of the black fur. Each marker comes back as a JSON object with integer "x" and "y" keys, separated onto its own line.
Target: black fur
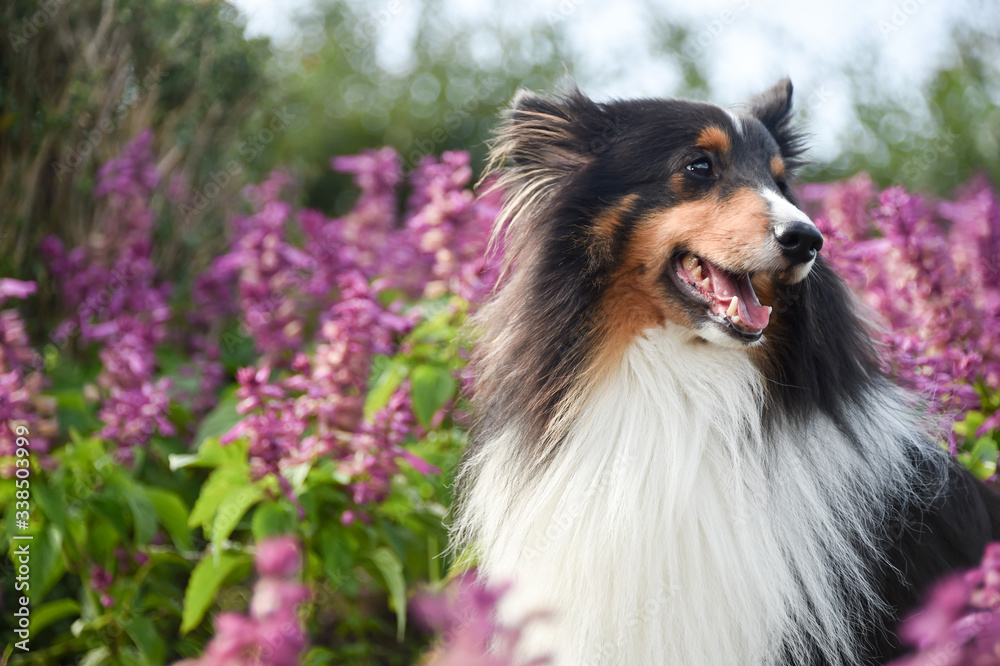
{"x": 773, "y": 108}
{"x": 823, "y": 357}
{"x": 928, "y": 545}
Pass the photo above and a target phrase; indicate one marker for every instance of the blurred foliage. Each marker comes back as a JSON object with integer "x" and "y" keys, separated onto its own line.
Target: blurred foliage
{"x": 441, "y": 95}
{"x": 936, "y": 138}
{"x": 79, "y": 79}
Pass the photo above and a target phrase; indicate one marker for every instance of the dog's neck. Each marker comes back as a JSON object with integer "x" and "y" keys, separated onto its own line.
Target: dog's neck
{"x": 671, "y": 527}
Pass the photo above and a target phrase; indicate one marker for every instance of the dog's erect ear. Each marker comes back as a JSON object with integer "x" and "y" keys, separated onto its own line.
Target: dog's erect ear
{"x": 550, "y": 137}
{"x": 773, "y": 108}
{"x": 542, "y": 143}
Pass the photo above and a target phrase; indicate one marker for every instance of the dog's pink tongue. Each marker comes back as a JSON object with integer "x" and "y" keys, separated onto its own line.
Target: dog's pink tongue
{"x": 751, "y": 311}
{"x": 726, "y": 285}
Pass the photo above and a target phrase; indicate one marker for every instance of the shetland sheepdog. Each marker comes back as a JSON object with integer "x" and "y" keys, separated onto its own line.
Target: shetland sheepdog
{"x": 686, "y": 450}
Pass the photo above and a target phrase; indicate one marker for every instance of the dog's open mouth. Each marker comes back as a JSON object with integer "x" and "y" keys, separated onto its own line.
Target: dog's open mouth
{"x": 730, "y": 298}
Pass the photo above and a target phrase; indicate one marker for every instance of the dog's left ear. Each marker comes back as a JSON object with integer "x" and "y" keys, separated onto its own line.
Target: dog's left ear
{"x": 773, "y": 108}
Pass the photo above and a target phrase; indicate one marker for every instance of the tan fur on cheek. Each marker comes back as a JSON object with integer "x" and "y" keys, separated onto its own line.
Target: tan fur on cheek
{"x": 601, "y": 237}
{"x": 729, "y": 233}
{"x": 636, "y": 301}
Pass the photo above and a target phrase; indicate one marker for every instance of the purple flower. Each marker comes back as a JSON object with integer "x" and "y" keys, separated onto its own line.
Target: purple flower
{"x": 464, "y": 616}
{"x": 930, "y": 270}
{"x": 315, "y": 407}
{"x": 371, "y": 460}
{"x": 100, "y": 578}
{"x": 11, "y": 288}
{"x": 24, "y": 411}
{"x": 110, "y": 284}
{"x": 280, "y": 557}
{"x": 100, "y": 582}
{"x": 272, "y": 633}
{"x": 958, "y": 624}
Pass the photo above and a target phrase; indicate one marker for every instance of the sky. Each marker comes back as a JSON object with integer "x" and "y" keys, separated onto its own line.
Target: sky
{"x": 747, "y": 45}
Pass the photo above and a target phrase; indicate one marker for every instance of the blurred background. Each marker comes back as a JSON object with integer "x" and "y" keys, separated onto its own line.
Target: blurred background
{"x": 906, "y": 90}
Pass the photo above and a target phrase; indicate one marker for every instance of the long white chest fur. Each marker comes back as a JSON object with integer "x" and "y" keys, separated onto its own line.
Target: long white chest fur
{"x": 671, "y": 529}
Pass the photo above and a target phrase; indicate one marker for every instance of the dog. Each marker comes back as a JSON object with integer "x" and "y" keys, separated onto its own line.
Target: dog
{"x": 685, "y": 448}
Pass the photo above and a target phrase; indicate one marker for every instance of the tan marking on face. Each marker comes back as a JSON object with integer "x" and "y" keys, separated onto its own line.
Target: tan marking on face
{"x": 714, "y": 139}
{"x": 601, "y": 237}
{"x": 777, "y": 167}
{"x": 730, "y": 233}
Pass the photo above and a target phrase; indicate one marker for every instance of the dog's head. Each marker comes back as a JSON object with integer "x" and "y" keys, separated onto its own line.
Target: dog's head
{"x": 675, "y": 212}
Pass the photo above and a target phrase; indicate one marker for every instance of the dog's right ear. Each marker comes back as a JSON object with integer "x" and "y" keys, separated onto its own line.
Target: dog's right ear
{"x": 549, "y": 137}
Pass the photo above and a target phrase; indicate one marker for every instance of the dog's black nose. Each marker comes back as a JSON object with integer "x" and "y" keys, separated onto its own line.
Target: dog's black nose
{"x": 799, "y": 241}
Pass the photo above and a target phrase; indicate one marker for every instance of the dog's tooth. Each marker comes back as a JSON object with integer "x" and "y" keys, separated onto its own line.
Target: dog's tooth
{"x": 734, "y": 306}
{"x": 696, "y": 271}
{"x": 769, "y": 309}
{"x": 690, "y": 261}
{"x": 706, "y": 284}
{"x": 736, "y": 319}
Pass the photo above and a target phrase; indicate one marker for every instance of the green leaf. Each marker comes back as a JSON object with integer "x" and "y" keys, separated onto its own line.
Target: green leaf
{"x": 272, "y": 519}
{"x": 337, "y": 550}
{"x": 213, "y": 454}
{"x": 108, "y": 505}
{"x": 296, "y": 475}
{"x": 143, "y": 514}
{"x": 207, "y": 577}
{"x": 47, "y": 565}
{"x": 220, "y": 420}
{"x": 143, "y": 633}
{"x": 385, "y": 385}
{"x": 96, "y": 657}
{"x": 52, "y": 501}
{"x": 51, "y": 612}
{"x": 432, "y": 387}
{"x": 219, "y": 485}
{"x": 173, "y": 515}
{"x": 231, "y": 510}
{"x": 391, "y": 569}
{"x": 320, "y": 656}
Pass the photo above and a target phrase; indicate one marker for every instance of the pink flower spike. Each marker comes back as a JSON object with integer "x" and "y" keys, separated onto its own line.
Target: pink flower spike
{"x": 280, "y": 557}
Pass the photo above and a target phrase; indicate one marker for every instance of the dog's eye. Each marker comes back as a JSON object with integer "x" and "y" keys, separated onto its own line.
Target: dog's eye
{"x": 701, "y": 167}
{"x": 782, "y": 186}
